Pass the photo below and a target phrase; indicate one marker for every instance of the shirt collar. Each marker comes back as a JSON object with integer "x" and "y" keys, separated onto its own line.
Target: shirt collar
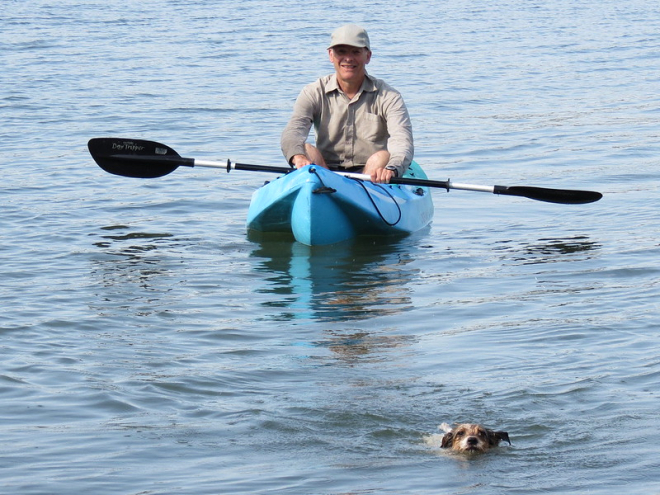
{"x": 368, "y": 84}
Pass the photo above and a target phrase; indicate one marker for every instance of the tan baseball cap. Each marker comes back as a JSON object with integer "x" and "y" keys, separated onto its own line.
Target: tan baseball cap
{"x": 350, "y": 35}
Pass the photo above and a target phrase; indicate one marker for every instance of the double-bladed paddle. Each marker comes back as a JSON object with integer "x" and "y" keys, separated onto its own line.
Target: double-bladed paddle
{"x": 148, "y": 159}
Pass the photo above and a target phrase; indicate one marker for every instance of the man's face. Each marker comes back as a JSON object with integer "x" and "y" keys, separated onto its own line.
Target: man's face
{"x": 349, "y": 62}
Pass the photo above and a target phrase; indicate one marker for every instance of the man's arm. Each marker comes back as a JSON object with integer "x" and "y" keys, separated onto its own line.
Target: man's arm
{"x": 297, "y": 130}
{"x": 400, "y": 142}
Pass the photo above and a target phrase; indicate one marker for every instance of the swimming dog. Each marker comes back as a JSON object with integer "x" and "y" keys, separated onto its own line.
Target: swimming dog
{"x": 470, "y": 438}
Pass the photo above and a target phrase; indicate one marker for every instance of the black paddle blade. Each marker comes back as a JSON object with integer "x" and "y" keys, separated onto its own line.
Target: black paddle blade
{"x": 562, "y": 196}
{"x": 135, "y": 157}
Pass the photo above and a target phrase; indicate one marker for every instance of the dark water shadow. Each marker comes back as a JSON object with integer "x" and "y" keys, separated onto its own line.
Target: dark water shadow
{"x": 549, "y": 250}
{"x": 134, "y": 270}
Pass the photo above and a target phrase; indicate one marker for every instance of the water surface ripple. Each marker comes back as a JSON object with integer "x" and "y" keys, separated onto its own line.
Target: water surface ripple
{"x": 149, "y": 345}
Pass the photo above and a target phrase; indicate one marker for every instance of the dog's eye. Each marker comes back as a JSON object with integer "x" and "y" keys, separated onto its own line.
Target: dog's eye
{"x": 460, "y": 433}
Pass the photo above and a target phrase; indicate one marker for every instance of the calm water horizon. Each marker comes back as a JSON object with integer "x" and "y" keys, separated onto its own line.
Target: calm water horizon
{"x": 150, "y": 346}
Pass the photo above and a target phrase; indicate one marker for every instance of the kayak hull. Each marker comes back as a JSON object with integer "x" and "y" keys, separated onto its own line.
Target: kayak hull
{"x": 320, "y": 207}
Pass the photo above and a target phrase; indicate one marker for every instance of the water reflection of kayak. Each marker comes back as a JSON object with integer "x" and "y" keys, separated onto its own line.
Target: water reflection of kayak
{"x": 358, "y": 280}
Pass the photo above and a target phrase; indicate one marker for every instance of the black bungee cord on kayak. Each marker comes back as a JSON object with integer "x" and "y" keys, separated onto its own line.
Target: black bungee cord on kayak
{"x": 329, "y": 190}
{"x": 361, "y": 182}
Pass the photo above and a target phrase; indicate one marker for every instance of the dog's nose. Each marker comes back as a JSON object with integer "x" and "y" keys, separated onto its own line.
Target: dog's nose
{"x": 472, "y": 441}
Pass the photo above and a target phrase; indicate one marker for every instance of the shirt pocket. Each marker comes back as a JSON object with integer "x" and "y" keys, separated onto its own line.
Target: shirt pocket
{"x": 371, "y": 127}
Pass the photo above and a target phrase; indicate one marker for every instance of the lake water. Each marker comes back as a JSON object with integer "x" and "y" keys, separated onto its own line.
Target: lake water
{"x": 149, "y": 346}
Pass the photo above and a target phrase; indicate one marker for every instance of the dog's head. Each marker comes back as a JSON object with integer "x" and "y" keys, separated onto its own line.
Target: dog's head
{"x": 472, "y": 438}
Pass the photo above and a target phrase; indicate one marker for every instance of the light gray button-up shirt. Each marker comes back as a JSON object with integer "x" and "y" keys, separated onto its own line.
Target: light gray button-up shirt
{"x": 347, "y": 131}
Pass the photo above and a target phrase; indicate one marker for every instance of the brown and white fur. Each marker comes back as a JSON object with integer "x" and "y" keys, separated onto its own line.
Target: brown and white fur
{"x": 471, "y": 438}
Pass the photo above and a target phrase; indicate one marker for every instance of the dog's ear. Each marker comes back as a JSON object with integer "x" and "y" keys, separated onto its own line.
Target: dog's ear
{"x": 494, "y": 437}
{"x": 447, "y": 440}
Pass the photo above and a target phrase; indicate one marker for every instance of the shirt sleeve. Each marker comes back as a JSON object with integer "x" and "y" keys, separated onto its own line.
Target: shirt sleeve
{"x": 297, "y": 130}
{"x": 400, "y": 142}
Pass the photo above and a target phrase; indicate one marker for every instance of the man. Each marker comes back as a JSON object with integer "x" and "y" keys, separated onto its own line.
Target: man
{"x": 360, "y": 122}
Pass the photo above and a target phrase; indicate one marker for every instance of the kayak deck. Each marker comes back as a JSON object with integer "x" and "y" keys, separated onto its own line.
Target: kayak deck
{"x": 322, "y": 207}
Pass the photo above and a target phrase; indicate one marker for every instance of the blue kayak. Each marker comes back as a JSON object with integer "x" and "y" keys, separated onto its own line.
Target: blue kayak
{"x": 321, "y": 207}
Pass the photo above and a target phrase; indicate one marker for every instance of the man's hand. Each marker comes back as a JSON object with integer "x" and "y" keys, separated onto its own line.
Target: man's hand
{"x": 300, "y": 161}
{"x": 382, "y": 176}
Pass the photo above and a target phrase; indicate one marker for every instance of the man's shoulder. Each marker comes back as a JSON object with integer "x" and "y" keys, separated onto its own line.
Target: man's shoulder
{"x": 380, "y": 85}
{"x": 323, "y": 84}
